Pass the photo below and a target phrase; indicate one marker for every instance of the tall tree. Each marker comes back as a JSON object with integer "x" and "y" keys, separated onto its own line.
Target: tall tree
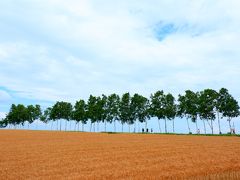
{"x": 188, "y": 106}
{"x": 112, "y": 109}
{"x": 92, "y": 110}
{"x": 102, "y": 110}
{"x": 228, "y": 106}
{"x": 18, "y": 114}
{"x": 170, "y": 108}
{"x": 80, "y": 113}
{"x": 207, "y": 104}
{"x": 45, "y": 117}
{"x": 34, "y": 113}
{"x": 140, "y": 106}
{"x": 61, "y": 110}
{"x": 157, "y": 107}
{"x": 125, "y": 110}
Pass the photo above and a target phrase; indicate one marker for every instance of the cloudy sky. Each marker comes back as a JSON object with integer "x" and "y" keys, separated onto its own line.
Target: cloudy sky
{"x": 65, "y": 50}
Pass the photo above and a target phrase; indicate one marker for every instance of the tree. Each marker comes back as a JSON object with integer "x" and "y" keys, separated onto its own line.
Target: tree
{"x": 188, "y": 106}
{"x": 125, "y": 110}
{"x": 140, "y": 108}
{"x": 102, "y": 110}
{"x": 207, "y": 103}
{"x": 80, "y": 113}
{"x": 34, "y": 113}
{"x": 61, "y": 110}
{"x": 170, "y": 108}
{"x": 112, "y": 109}
{"x": 45, "y": 117}
{"x": 92, "y": 109}
{"x": 157, "y": 107}
{"x": 18, "y": 114}
{"x": 228, "y": 106}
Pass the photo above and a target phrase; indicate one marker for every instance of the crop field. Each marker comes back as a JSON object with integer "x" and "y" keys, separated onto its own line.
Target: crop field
{"x": 75, "y": 155}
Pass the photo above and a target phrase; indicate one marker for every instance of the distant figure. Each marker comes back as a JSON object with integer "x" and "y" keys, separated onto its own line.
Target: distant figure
{"x": 147, "y": 130}
{"x": 151, "y": 130}
{"x": 142, "y": 130}
{"x": 198, "y": 131}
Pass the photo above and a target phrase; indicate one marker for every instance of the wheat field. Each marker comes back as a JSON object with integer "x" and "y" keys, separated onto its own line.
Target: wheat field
{"x": 75, "y": 155}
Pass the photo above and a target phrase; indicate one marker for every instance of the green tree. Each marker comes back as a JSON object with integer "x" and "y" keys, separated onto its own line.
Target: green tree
{"x": 140, "y": 109}
{"x": 188, "y": 107}
{"x": 33, "y": 113}
{"x": 125, "y": 110}
{"x": 170, "y": 109}
{"x": 207, "y": 105}
{"x": 92, "y": 110}
{"x": 112, "y": 109}
{"x": 61, "y": 110}
{"x": 102, "y": 110}
{"x": 228, "y": 106}
{"x": 17, "y": 115}
{"x": 80, "y": 113}
{"x": 157, "y": 107}
{"x": 45, "y": 117}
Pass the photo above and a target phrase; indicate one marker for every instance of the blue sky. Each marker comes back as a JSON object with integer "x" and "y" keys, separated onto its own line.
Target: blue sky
{"x": 65, "y": 50}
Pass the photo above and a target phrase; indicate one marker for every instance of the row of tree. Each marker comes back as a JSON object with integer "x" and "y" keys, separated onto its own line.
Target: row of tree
{"x": 207, "y": 106}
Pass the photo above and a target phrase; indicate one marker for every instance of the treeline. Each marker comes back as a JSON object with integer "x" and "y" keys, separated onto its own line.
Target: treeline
{"x": 206, "y": 106}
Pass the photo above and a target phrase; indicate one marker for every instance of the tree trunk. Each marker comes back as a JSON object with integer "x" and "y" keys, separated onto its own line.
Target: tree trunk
{"x": 196, "y": 126}
{"x": 91, "y": 127}
{"x": 129, "y": 128}
{"x": 82, "y": 127}
{"x": 189, "y": 130}
{"x": 135, "y": 127}
{"x": 138, "y": 126}
{"x": 70, "y": 125}
{"x": 105, "y": 125}
{"x": 212, "y": 125}
{"x": 230, "y": 127}
{"x": 122, "y": 127}
{"x": 159, "y": 125}
{"x": 219, "y": 126}
{"x": 173, "y": 126}
{"x": 165, "y": 125}
{"x": 65, "y": 125}
{"x": 145, "y": 124}
{"x": 60, "y": 125}
{"x": 51, "y": 125}
{"x": 98, "y": 126}
{"x": 205, "y": 131}
{"x": 114, "y": 125}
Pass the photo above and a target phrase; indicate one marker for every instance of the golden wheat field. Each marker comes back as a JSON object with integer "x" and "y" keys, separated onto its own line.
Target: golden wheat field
{"x": 75, "y": 155}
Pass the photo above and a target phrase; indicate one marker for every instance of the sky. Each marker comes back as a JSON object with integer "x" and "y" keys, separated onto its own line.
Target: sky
{"x": 53, "y": 50}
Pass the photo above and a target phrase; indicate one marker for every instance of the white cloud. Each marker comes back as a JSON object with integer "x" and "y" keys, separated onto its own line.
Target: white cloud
{"x": 69, "y": 49}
